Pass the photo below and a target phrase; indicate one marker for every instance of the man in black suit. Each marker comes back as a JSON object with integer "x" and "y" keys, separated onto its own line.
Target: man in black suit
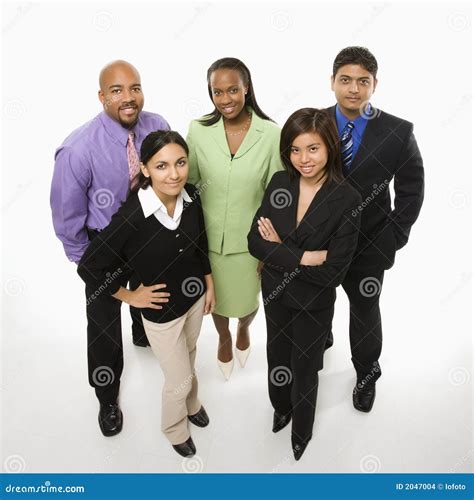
{"x": 376, "y": 148}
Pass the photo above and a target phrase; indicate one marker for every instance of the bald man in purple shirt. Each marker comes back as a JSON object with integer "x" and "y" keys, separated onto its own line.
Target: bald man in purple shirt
{"x": 93, "y": 171}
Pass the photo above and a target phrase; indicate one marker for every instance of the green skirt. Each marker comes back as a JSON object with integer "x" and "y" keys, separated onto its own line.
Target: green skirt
{"x": 236, "y": 283}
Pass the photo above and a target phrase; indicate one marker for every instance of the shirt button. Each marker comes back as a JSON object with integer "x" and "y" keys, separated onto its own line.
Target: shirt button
{"x": 177, "y": 235}
{"x": 180, "y": 250}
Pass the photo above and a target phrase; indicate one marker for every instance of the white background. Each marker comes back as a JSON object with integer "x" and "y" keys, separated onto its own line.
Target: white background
{"x": 421, "y": 421}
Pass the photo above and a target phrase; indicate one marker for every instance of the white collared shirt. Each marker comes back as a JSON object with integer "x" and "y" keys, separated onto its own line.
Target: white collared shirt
{"x": 151, "y": 204}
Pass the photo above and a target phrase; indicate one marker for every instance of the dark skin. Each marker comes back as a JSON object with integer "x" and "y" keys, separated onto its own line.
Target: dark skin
{"x": 228, "y": 91}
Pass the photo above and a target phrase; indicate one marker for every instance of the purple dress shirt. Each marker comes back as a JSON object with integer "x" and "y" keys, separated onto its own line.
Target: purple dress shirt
{"x": 91, "y": 179}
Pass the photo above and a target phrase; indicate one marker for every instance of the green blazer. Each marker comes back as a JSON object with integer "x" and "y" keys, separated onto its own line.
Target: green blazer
{"x": 232, "y": 190}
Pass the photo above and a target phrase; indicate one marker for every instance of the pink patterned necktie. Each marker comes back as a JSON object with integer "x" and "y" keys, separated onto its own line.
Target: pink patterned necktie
{"x": 133, "y": 160}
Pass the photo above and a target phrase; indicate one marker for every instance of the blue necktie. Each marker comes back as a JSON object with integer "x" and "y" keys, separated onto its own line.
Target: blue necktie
{"x": 347, "y": 146}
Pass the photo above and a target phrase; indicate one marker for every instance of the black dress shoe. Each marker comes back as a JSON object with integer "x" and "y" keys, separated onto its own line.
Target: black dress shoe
{"x": 141, "y": 342}
{"x": 186, "y": 449}
{"x": 110, "y": 419}
{"x": 201, "y": 418}
{"x": 363, "y": 397}
{"x": 298, "y": 450}
{"x": 280, "y": 421}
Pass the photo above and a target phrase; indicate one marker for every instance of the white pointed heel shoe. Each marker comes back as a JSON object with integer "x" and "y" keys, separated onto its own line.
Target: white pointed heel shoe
{"x": 226, "y": 368}
{"x": 242, "y": 356}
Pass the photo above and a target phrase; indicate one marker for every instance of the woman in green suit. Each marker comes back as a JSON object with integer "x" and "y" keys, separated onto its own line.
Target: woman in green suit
{"x": 234, "y": 152}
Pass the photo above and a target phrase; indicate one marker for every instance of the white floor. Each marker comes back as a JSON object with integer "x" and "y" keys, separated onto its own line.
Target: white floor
{"x": 421, "y": 421}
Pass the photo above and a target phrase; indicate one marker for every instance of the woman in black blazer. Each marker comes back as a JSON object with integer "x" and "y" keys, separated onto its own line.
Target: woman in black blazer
{"x": 159, "y": 233}
{"x": 305, "y": 234}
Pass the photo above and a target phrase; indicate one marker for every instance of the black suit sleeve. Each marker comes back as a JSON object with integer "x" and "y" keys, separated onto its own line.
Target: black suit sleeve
{"x": 409, "y": 190}
{"x": 340, "y": 250}
{"x": 283, "y": 255}
{"x": 103, "y": 262}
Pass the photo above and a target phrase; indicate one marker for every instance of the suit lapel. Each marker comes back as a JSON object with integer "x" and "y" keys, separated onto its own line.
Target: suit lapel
{"x": 217, "y": 134}
{"x": 369, "y": 143}
{"x": 253, "y": 135}
{"x": 317, "y": 212}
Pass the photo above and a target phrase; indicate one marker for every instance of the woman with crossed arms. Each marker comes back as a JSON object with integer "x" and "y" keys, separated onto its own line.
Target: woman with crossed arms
{"x": 306, "y": 234}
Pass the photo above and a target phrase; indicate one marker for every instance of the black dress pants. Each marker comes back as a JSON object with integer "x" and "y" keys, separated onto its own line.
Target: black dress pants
{"x": 104, "y": 337}
{"x": 363, "y": 287}
{"x": 295, "y": 348}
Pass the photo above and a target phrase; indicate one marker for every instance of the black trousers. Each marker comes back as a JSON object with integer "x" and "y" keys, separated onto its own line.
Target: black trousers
{"x": 295, "y": 348}
{"x": 104, "y": 337}
{"x": 104, "y": 342}
{"x": 363, "y": 287}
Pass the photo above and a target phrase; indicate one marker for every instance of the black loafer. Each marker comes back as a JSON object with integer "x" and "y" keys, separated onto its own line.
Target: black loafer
{"x": 201, "y": 418}
{"x": 363, "y": 397}
{"x": 280, "y": 421}
{"x": 110, "y": 419}
{"x": 186, "y": 449}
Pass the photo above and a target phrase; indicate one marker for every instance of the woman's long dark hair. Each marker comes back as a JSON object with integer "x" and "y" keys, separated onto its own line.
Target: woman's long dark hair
{"x": 250, "y": 101}
{"x": 310, "y": 120}
{"x": 152, "y": 143}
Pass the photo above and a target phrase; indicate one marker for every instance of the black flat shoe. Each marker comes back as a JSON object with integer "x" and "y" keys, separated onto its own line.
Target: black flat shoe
{"x": 363, "y": 398}
{"x": 201, "y": 418}
{"x": 186, "y": 449}
{"x": 280, "y": 421}
{"x": 298, "y": 450}
{"x": 110, "y": 419}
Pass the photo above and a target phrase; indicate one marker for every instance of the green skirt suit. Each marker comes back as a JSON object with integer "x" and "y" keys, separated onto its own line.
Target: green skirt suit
{"x": 231, "y": 190}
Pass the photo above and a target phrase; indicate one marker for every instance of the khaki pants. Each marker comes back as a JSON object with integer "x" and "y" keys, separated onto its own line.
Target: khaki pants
{"x": 174, "y": 344}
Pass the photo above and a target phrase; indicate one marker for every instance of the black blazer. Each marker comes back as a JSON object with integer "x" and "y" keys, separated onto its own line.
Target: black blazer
{"x": 329, "y": 224}
{"x": 388, "y": 151}
{"x": 155, "y": 253}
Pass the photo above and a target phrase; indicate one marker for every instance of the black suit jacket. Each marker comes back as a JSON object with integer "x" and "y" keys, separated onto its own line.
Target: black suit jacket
{"x": 388, "y": 151}
{"x": 330, "y": 223}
